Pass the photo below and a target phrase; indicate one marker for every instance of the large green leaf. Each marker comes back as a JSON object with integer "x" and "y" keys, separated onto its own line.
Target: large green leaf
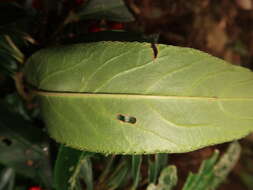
{"x": 116, "y": 97}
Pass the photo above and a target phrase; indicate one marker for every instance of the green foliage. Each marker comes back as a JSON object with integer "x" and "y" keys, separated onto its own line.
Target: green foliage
{"x": 72, "y": 165}
{"x": 16, "y": 105}
{"x": 167, "y": 179}
{"x": 22, "y": 147}
{"x": 213, "y": 173}
{"x": 110, "y": 9}
{"x": 154, "y": 167}
{"x": 119, "y": 176}
{"x": 10, "y": 55}
{"x": 136, "y": 166}
{"x": 7, "y": 179}
{"x": 114, "y": 97}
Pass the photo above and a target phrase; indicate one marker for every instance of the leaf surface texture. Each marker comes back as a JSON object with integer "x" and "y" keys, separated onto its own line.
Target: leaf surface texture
{"x": 116, "y": 97}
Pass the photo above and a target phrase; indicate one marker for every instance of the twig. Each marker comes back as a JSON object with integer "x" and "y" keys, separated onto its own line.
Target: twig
{"x": 18, "y": 78}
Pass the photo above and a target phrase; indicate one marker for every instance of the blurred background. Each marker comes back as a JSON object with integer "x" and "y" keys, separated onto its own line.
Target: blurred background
{"x": 223, "y": 28}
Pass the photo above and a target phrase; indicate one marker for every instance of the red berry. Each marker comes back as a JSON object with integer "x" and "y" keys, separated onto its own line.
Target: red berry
{"x": 116, "y": 26}
{"x": 95, "y": 28}
{"x": 35, "y": 188}
{"x": 79, "y": 2}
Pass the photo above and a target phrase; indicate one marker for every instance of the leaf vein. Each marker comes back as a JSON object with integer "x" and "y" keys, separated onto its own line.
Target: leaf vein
{"x": 104, "y": 64}
{"x": 122, "y": 73}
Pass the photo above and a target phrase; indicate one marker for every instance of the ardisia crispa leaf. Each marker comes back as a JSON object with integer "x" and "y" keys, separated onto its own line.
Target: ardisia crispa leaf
{"x": 134, "y": 98}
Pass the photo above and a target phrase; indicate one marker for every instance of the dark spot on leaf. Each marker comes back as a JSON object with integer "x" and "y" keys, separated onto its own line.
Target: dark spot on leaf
{"x": 126, "y": 119}
{"x": 155, "y": 50}
{"x": 6, "y": 141}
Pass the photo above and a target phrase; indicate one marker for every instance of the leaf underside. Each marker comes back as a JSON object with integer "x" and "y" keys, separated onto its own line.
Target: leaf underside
{"x": 115, "y": 97}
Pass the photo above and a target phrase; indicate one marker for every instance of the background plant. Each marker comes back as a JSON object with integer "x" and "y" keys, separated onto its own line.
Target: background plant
{"x": 29, "y": 158}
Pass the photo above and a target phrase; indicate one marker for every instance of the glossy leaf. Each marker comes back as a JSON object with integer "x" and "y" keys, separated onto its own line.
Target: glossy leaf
{"x": 115, "y": 97}
{"x": 110, "y": 9}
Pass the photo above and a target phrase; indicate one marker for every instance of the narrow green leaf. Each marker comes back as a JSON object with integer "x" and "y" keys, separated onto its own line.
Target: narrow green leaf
{"x": 110, "y": 9}
{"x": 82, "y": 172}
{"x": 167, "y": 180}
{"x": 13, "y": 49}
{"x": 8, "y": 63}
{"x": 106, "y": 171}
{"x": 119, "y": 176}
{"x": 68, "y": 166}
{"x": 86, "y": 173}
{"x": 206, "y": 167}
{"x": 213, "y": 173}
{"x": 131, "y": 98}
{"x": 160, "y": 161}
{"x": 7, "y": 179}
{"x": 66, "y": 162}
{"x": 152, "y": 170}
{"x": 136, "y": 166}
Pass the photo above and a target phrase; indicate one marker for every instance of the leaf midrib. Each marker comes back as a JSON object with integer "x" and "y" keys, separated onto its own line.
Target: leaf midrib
{"x": 137, "y": 96}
